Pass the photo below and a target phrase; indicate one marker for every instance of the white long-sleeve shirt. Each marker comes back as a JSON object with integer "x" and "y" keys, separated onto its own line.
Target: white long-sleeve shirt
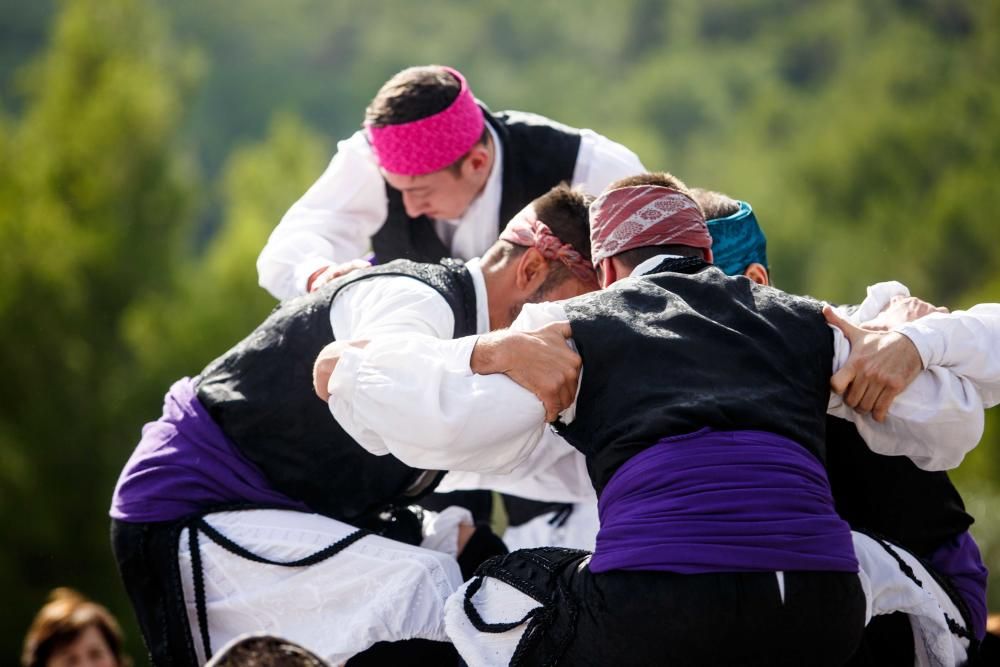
{"x": 394, "y": 306}
{"x": 418, "y": 398}
{"x": 335, "y": 219}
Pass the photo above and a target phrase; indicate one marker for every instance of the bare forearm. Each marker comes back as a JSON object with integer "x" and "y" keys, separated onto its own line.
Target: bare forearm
{"x": 491, "y": 353}
{"x": 539, "y": 360}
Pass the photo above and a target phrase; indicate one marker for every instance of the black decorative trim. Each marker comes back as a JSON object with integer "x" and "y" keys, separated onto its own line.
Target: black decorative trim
{"x": 194, "y": 546}
{"x": 954, "y": 626}
{"x": 556, "y": 603}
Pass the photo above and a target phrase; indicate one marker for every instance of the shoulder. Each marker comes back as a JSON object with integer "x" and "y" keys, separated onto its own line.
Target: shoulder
{"x": 527, "y": 121}
{"x": 356, "y": 149}
{"x": 404, "y": 279}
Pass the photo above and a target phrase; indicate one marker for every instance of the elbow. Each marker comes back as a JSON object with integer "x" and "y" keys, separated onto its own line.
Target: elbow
{"x": 937, "y": 462}
{"x": 949, "y": 452}
{"x": 974, "y": 427}
{"x": 271, "y": 281}
{"x": 264, "y": 277}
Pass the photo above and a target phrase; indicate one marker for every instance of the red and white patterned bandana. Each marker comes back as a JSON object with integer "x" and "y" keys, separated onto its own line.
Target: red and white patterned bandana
{"x": 644, "y": 215}
{"x": 525, "y": 229}
{"x": 428, "y": 144}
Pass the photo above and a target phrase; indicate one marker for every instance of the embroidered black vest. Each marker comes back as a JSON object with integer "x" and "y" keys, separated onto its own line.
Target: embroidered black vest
{"x": 537, "y": 154}
{"x": 260, "y": 393}
{"x": 687, "y": 347}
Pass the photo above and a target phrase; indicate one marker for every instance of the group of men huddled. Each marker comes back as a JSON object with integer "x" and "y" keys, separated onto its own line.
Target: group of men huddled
{"x": 696, "y": 468}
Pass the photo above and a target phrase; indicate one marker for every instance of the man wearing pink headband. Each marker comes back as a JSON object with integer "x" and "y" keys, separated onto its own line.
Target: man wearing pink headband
{"x": 700, "y": 407}
{"x": 432, "y": 174}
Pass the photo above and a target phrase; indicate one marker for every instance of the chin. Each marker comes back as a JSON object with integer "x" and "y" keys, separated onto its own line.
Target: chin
{"x": 448, "y": 215}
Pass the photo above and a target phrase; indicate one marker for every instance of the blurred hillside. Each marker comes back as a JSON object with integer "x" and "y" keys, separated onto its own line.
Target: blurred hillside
{"x": 147, "y": 149}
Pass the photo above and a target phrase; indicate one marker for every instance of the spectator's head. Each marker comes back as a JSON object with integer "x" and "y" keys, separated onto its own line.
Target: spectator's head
{"x": 739, "y": 246}
{"x": 542, "y": 255}
{"x": 71, "y": 630}
{"x": 643, "y": 216}
{"x": 431, "y": 141}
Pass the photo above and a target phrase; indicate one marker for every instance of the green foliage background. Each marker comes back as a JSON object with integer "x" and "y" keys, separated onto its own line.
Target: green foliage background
{"x": 147, "y": 149}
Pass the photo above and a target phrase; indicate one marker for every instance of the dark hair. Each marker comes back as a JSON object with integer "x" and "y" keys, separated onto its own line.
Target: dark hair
{"x": 636, "y": 256}
{"x": 661, "y": 178}
{"x": 266, "y": 651}
{"x": 714, "y": 204}
{"x": 565, "y": 210}
{"x": 62, "y": 620}
{"x": 415, "y": 93}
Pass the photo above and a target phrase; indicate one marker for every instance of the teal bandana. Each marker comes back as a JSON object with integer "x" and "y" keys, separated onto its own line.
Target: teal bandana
{"x": 737, "y": 241}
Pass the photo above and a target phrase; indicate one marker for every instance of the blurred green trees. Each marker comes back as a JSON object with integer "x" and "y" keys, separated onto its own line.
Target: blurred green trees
{"x": 96, "y": 196}
{"x": 147, "y": 150}
{"x": 213, "y": 300}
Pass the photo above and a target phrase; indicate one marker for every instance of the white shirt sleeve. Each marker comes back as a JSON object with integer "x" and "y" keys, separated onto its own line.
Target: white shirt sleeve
{"x": 416, "y": 397}
{"x": 939, "y": 417}
{"x": 331, "y": 223}
{"x": 966, "y": 342}
{"x": 391, "y": 306}
{"x": 601, "y": 161}
{"x": 554, "y": 471}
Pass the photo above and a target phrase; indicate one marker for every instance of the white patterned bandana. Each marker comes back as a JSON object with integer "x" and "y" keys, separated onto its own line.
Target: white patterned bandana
{"x": 644, "y": 215}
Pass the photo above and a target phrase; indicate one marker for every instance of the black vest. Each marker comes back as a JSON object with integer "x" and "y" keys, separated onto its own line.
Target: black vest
{"x": 260, "y": 393}
{"x": 889, "y": 495}
{"x": 668, "y": 353}
{"x": 537, "y": 155}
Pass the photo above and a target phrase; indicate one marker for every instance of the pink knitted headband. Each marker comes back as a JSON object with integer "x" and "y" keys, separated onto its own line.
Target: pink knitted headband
{"x": 644, "y": 215}
{"x": 525, "y": 229}
{"x": 428, "y": 144}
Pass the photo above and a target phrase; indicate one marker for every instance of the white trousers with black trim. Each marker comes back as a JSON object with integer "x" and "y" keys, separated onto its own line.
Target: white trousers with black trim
{"x": 374, "y": 590}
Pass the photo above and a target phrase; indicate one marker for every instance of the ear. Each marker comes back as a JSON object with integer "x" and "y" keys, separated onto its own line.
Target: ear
{"x": 709, "y": 257}
{"x": 609, "y": 272}
{"x": 532, "y": 269}
{"x": 757, "y": 273}
{"x": 477, "y": 161}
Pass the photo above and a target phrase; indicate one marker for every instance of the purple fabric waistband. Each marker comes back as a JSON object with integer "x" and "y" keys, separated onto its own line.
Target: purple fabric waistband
{"x": 185, "y": 464}
{"x": 722, "y": 501}
{"x": 961, "y": 562}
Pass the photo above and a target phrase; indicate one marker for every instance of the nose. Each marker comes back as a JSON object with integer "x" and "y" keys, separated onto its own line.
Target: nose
{"x": 415, "y": 206}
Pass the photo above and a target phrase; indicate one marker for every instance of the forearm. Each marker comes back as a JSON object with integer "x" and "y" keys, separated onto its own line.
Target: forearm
{"x": 537, "y": 353}
{"x": 967, "y": 343}
{"x": 330, "y": 224}
{"x": 935, "y": 422}
{"x": 416, "y": 397}
{"x": 303, "y": 243}
{"x": 924, "y": 379}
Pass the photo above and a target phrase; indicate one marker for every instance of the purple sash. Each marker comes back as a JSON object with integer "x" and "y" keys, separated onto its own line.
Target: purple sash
{"x": 959, "y": 560}
{"x": 722, "y": 501}
{"x": 185, "y": 464}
